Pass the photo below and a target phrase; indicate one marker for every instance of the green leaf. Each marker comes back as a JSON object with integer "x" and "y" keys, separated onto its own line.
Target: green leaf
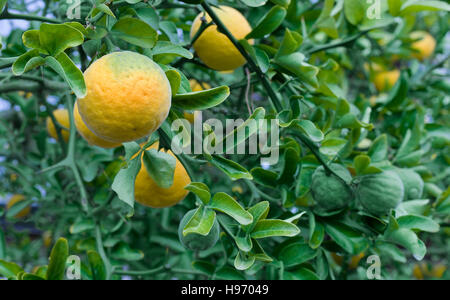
{"x": 398, "y": 94}
{"x": 295, "y": 64}
{"x": 9, "y": 269}
{"x": 269, "y": 228}
{"x": 296, "y": 254}
{"x": 82, "y": 225}
{"x": 2, "y": 245}
{"x": 243, "y": 131}
{"x": 55, "y": 38}
{"x": 259, "y": 212}
{"x": 408, "y": 239}
{"x": 379, "y": 149}
{"x": 361, "y": 163}
{"x": 413, "y": 6}
{"x": 29, "y": 276}
{"x": 394, "y": 7}
{"x": 316, "y": 235}
{"x": 65, "y": 68}
{"x": 418, "y": 222}
{"x": 201, "y": 190}
{"x": 136, "y": 32}
{"x": 27, "y": 62}
{"x": 352, "y": 241}
{"x": 228, "y": 273}
{"x": 105, "y": 9}
{"x": 243, "y": 261}
{"x": 269, "y": 23}
{"x": 354, "y": 11}
{"x": 2, "y": 4}
{"x": 32, "y": 40}
{"x": 201, "y": 222}
{"x": 204, "y": 267}
{"x": 332, "y": 146}
{"x": 290, "y": 44}
{"x": 174, "y": 79}
{"x": 254, "y": 3}
{"x": 225, "y": 203}
{"x": 123, "y": 251}
{"x": 234, "y": 170}
{"x": 164, "y": 47}
{"x": 160, "y": 166}
{"x": 98, "y": 269}
{"x": 300, "y": 274}
{"x": 123, "y": 183}
{"x": 58, "y": 258}
{"x": 264, "y": 177}
{"x": 201, "y": 100}
{"x": 291, "y": 163}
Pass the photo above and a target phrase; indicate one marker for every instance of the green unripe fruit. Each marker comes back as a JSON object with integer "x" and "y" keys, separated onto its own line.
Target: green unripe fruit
{"x": 330, "y": 192}
{"x": 195, "y": 241}
{"x": 379, "y": 193}
{"x": 412, "y": 183}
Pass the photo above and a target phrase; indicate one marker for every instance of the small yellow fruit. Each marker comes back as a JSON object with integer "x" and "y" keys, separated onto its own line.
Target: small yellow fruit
{"x": 15, "y": 199}
{"x": 386, "y": 80}
{"x": 438, "y": 270}
{"x": 417, "y": 272}
{"x": 424, "y": 46}
{"x": 198, "y": 86}
{"x": 87, "y": 134}
{"x": 62, "y": 117}
{"x": 47, "y": 238}
{"x": 147, "y": 192}
{"x": 128, "y": 97}
{"x": 213, "y": 47}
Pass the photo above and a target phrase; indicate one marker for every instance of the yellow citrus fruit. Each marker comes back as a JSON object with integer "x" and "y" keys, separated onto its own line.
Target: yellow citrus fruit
{"x": 15, "y": 199}
{"x": 147, "y": 192}
{"x": 47, "y": 238}
{"x": 87, "y": 134}
{"x": 424, "y": 46}
{"x": 386, "y": 79}
{"x": 213, "y": 47}
{"x": 128, "y": 97}
{"x": 438, "y": 270}
{"x": 62, "y": 117}
{"x": 417, "y": 272}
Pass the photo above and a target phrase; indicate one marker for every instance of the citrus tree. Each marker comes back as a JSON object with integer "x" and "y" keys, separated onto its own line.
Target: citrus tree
{"x": 114, "y": 159}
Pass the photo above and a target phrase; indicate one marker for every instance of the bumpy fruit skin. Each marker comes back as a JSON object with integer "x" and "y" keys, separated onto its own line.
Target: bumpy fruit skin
{"x": 424, "y": 46}
{"x": 412, "y": 183}
{"x": 87, "y": 134}
{"x": 330, "y": 192}
{"x": 148, "y": 193}
{"x": 379, "y": 193}
{"x": 214, "y": 48}
{"x": 386, "y": 79}
{"x": 195, "y": 241}
{"x": 15, "y": 199}
{"x": 62, "y": 117}
{"x": 128, "y": 97}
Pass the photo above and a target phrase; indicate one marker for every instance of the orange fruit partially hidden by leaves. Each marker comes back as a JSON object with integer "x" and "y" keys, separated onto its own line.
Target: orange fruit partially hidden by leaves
{"x": 87, "y": 134}
{"x": 386, "y": 79}
{"x": 62, "y": 117}
{"x": 16, "y": 199}
{"x": 147, "y": 192}
{"x": 213, "y": 47}
{"x": 353, "y": 263}
{"x": 424, "y": 46}
{"x": 128, "y": 97}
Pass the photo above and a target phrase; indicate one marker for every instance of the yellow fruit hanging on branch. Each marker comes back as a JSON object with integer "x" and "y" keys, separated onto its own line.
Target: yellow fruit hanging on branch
{"x": 16, "y": 199}
{"x": 148, "y": 193}
{"x": 62, "y": 118}
{"x": 424, "y": 46}
{"x": 385, "y": 80}
{"x": 128, "y": 97}
{"x": 352, "y": 264}
{"x": 87, "y": 134}
{"x": 213, "y": 47}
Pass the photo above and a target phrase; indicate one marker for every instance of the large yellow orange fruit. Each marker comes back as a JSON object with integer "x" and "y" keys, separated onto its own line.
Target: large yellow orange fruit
{"x": 87, "y": 134}
{"x": 128, "y": 97}
{"x": 147, "y": 192}
{"x": 62, "y": 117}
{"x": 386, "y": 79}
{"x": 214, "y": 48}
{"x": 15, "y": 199}
{"x": 424, "y": 46}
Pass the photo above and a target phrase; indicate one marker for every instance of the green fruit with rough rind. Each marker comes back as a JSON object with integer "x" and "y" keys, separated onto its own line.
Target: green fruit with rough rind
{"x": 330, "y": 192}
{"x": 195, "y": 241}
{"x": 412, "y": 183}
{"x": 380, "y": 192}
